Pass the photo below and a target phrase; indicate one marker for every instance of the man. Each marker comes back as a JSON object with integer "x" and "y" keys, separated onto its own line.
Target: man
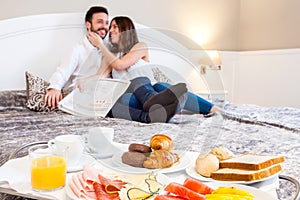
{"x": 84, "y": 60}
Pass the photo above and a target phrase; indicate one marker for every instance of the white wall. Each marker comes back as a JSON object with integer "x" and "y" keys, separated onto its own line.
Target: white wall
{"x": 230, "y": 25}
{"x": 269, "y": 24}
{"x": 265, "y": 78}
{"x": 212, "y": 23}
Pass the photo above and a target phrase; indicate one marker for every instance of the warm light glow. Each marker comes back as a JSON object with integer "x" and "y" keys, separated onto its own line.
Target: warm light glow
{"x": 201, "y": 37}
{"x": 215, "y": 57}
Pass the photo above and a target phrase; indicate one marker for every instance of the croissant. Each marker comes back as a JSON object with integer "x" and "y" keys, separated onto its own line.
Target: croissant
{"x": 160, "y": 159}
{"x": 161, "y": 141}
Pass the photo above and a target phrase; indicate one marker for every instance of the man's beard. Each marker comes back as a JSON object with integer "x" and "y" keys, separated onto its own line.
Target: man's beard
{"x": 96, "y": 31}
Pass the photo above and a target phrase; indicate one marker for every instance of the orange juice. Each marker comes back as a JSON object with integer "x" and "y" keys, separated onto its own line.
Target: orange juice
{"x": 48, "y": 173}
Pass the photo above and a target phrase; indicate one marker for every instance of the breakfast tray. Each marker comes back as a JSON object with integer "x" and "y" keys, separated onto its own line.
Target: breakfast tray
{"x": 6, "y": 190}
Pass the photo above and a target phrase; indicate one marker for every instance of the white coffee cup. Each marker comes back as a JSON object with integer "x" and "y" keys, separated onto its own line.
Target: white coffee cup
{"x": 69, "y": 146}
{"x": 99, "y": 141}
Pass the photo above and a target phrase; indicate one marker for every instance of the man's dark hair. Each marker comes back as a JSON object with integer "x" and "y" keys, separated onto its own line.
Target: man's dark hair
{"x": 93, "y": 10}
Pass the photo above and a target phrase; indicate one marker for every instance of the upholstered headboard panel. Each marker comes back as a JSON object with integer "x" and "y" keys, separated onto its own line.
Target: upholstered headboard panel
{"x": 37, "y": 44}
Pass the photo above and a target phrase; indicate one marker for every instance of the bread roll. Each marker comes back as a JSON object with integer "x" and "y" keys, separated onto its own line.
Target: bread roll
{"x": 222, "y": 153}
{"x": 161, "y": 141}
{"x": 160, "y": 159}
{"x": 141, "y": 148}
{"x": 207, "y": 164}
{"x": 134, "y": 159}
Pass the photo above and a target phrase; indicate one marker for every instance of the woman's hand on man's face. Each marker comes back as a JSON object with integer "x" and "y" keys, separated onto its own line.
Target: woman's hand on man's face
{"x": 94, "y": 39}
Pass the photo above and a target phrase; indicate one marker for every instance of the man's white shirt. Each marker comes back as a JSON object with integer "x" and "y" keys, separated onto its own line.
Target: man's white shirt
{"x": 84, "y": 60}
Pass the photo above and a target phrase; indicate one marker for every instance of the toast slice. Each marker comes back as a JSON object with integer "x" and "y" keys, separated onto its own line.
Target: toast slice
{"x": 251, "y": 162}
{"x": 227, "y": 174}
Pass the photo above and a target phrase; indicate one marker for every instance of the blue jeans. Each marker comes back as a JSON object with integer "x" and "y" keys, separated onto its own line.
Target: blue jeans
{"x": 133, "y": 110}
{"x": 193, "y": 103}
{"x": 129, "y": 106}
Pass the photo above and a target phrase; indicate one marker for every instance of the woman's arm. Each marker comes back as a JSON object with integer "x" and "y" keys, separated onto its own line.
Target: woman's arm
{"x": 105, "y": 69}
{"x": 138, "y": 51}
{"x": 103, "y": 72}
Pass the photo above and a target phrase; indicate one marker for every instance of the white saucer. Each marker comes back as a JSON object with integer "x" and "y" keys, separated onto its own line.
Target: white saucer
{"x": 101, "y": 155}
{"x": 84, "y": 160}
{"x": 109, "y": 152}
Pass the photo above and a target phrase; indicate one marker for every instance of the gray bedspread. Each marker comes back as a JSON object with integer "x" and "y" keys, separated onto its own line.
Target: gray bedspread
{"x": 240, "y": 128}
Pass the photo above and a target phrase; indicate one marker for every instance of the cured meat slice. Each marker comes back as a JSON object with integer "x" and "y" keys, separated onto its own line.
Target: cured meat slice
{"x": 102, "y": 195}
{"x": 111, "y": 185}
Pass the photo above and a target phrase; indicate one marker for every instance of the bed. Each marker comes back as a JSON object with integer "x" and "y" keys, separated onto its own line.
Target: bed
{"x": 36, "y": 43}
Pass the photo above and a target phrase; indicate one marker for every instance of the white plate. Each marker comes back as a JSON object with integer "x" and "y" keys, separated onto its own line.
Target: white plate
{"x": 84, "y": 160}
{"x": 115, "y": 147}
{"x": 191, "y": 171}
{"x": 161, "y": 178}
{"x": 117, "y": 164}
{"x": 258, "y": 194}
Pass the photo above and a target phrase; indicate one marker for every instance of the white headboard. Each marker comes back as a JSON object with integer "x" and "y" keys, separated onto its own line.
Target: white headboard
{"x": 37, "y": 44}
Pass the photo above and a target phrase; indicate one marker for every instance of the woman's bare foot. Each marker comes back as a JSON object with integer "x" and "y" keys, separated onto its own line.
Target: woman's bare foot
{"x": 212, "y": 112}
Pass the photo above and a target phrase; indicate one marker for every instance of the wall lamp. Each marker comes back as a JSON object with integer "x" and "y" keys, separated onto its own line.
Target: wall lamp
{"x": 215, "y": 62}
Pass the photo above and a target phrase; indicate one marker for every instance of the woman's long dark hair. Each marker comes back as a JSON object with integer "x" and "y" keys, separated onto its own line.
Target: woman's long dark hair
{"x": 128, "y": 35}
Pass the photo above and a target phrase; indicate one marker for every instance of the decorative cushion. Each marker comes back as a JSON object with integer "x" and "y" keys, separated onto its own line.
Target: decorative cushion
{"x": 36, "y": 89}
{"x": 159, "y": 76}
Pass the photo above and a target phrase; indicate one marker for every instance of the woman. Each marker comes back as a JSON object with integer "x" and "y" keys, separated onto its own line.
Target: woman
{"x": 131, "y": 63}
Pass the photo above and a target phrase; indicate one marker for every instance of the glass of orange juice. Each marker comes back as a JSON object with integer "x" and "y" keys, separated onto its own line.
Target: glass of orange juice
{"x": 48, "y": 171}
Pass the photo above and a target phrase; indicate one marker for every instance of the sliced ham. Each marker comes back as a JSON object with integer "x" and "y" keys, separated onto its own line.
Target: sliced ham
{"x": 90, "y": 184}
{"x": 90, "y": 175}
{"x": 77, "y": 184}
{"x": 75, "y": 190}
